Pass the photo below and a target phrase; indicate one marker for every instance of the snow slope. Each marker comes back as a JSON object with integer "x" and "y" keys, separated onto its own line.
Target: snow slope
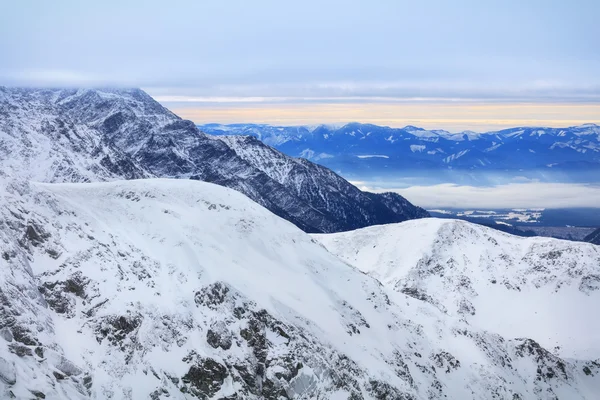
{"x": 541, "y": 288}
{"x": 182, "y": 289}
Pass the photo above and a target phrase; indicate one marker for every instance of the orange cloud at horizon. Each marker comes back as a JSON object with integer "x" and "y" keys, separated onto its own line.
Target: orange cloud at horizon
{"x": 450, "y": 116}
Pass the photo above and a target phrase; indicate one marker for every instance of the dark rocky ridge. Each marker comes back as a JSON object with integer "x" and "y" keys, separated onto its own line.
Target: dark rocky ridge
{"x": 593, "y": 237}
{"x": 106, "y": 134}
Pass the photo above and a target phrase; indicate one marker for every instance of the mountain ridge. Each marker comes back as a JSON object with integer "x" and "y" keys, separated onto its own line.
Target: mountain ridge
{"x": 593, "y": 237}
{"x": 107, "y": 134}
{"x": 489, "y": 278}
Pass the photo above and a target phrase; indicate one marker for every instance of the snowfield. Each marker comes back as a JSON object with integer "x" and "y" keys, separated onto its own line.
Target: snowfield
{"x": 183, "y": 289}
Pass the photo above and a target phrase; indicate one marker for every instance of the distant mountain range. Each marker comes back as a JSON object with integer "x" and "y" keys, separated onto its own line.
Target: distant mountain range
{"x": 359, "y": 150}
{"x": 69, "y": 135}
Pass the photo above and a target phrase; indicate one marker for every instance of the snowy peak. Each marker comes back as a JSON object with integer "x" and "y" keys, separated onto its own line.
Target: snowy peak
{"x": 41, "y": 140}
{"x": 517, "y": 287}
{"x": 70, "y": 135}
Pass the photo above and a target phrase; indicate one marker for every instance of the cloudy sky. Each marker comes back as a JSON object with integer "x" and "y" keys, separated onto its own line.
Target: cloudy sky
{"x": 448, "y": 64}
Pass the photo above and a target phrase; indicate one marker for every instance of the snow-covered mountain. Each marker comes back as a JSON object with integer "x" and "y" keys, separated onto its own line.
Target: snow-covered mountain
{"x": 370, "y": 150}
{"x": 540, "y": 288}
{"x": 324, "y": 190}
{"x": 66, "y": 135}
{"x": 182, "y": 289}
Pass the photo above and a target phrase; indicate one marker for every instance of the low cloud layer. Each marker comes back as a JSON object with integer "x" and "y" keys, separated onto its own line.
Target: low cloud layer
{"x": 516, "y": 195}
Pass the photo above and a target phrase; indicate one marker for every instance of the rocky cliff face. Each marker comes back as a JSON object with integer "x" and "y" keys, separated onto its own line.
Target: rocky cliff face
{"x": 42, "y": 139}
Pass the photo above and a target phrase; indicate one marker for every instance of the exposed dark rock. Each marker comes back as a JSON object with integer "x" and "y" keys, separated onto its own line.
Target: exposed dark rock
{"x": 466, "y": 307}
{"x": 35, "y": 235}
{"x": 212, "y": 295}
{"x": 273, "y": 390}
{"x": 23, "y": 335}
{"x": 205, "y": 378}
{"x": 384, "y": 391}
{"x": 402, "y": 369}
{"x": 20, "y": 350}
{"x": 87, "y": 383}
{"x": 549, "y": 366}
{"x": 55, "y": 293}
{"x": 420, "y": 295}
{"x": 53, "y": 253}
{"x": 446, "y": 361}
{"x": 121, "y": 331}
{"x": 38, "y": 394}
{"x": 159, "y": 393}
{"x": 58, "y": 375}
{"x": 219, "y": 337}
{"x": 590, "y": 283}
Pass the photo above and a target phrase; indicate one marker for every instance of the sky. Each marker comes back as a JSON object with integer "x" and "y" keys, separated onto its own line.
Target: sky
{"x": 455, "y": 65}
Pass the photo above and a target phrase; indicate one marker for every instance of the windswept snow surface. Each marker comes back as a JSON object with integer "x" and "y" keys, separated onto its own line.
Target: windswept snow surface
{"x": 184, "y": 289}
{"x": 541, "y": 288}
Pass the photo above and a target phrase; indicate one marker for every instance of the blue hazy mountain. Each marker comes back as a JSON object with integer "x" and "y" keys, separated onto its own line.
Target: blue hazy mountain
{"x": 378, "y": 152}
{"x": 593, "y": 237}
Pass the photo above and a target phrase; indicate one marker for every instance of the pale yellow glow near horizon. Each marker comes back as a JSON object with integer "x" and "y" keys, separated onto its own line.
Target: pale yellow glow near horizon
{"x": 454, "y": 117}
